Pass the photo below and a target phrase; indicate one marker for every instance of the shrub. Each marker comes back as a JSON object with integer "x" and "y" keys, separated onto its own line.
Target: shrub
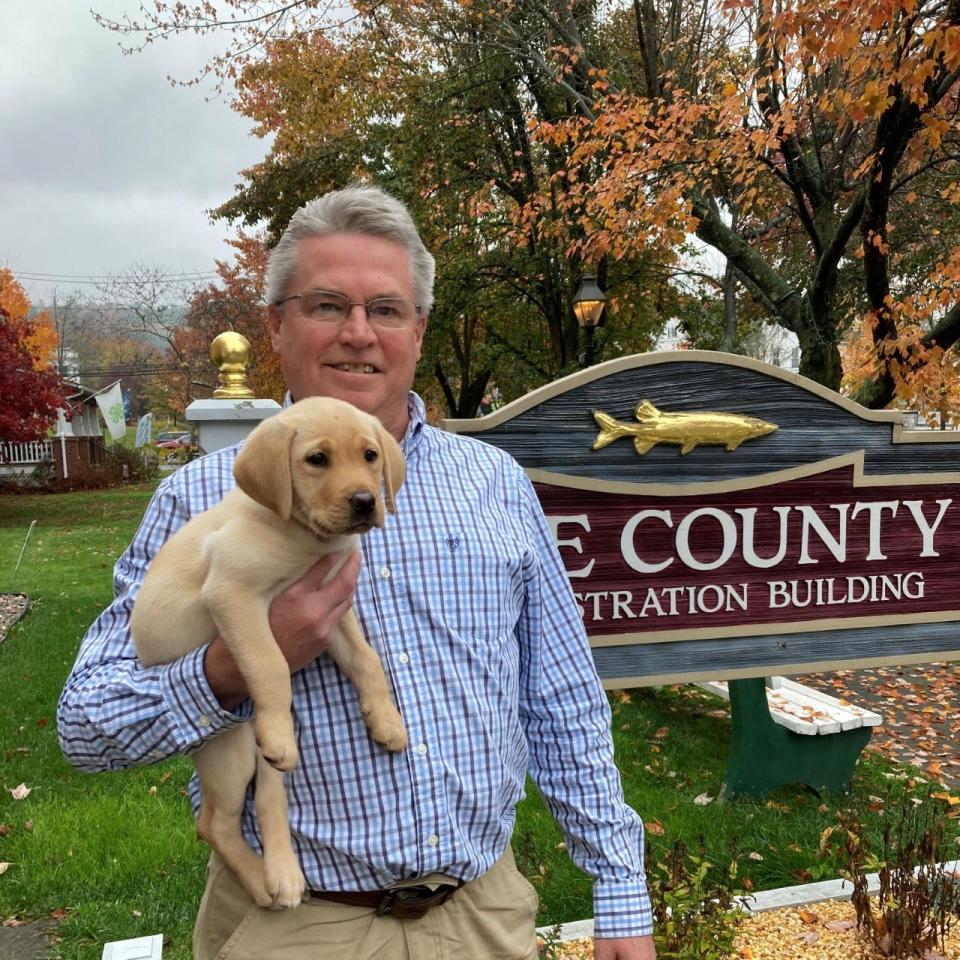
{"x": 917, "y": 900}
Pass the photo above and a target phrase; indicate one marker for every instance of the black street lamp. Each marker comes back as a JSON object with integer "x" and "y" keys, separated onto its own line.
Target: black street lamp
{"x": 588, "y": 306}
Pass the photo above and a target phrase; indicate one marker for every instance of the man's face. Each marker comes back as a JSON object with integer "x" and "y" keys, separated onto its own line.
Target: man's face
{"x": 353, "y": 360}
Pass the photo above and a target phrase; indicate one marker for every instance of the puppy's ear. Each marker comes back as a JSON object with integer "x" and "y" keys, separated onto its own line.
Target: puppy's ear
{"x": 394, "y": 467}
{"x": 263, "y": 469}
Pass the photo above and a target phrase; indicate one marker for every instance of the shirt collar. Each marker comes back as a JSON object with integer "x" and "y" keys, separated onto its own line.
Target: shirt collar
{"x": 416, "y": 411}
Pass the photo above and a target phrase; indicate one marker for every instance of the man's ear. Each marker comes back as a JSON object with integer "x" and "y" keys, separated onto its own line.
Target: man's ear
{"x": 274, "y": 320}
{"x": 394, "y": 467}
{"x": 263, "y": 467}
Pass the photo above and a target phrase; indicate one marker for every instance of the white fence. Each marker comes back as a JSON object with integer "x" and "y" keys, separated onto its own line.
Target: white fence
{"x": 22, "y": 458}
{"x": 34, "y": 452}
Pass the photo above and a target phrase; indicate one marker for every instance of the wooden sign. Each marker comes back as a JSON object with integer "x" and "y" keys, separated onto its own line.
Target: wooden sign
{"x": 720, "y": 517}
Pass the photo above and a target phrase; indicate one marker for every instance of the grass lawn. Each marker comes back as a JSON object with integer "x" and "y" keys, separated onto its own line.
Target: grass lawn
{"x": 117, "y": 851}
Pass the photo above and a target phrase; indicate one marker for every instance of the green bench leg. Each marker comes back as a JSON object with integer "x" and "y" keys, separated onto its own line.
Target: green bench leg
{"x": 764, "y": 755}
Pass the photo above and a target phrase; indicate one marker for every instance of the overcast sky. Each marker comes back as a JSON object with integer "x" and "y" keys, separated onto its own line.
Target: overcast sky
{"x": 102, "y": 162}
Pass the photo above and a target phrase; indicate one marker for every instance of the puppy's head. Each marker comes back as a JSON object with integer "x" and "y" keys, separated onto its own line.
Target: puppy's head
{"x": 325, "y": 463}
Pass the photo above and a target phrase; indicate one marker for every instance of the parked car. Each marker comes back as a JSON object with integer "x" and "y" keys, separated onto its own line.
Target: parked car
{"x": 174, "y": 445}
{"x": 173, "y": 439}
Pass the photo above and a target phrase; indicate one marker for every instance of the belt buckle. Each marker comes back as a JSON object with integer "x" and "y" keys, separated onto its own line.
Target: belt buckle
{"x": 411, "y": 903}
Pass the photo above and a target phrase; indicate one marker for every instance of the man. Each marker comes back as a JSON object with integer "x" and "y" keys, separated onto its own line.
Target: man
{"x": 463, "y": 595}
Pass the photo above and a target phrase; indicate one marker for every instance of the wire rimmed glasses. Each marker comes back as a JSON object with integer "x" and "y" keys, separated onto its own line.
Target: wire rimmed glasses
{"x": 327, "y": 306}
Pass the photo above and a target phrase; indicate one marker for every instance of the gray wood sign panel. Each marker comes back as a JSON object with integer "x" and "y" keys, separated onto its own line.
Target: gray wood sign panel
{"x": 853, "y": 541}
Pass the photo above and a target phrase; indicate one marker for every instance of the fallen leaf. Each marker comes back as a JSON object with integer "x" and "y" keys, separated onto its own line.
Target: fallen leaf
{"x": 654, "y": 827}
{"x": 809, "y": 938}
{"x": 804, "y": 876}
{"x": 953, "y": 801}
{"x": 703, "y": 800}
{"x": 807, "y": 916}
{"x": 136, "y": 913}
{"x": 28, "y": 826}
{"x": 20, "y": 792}
{"x": 58, "y": 914}
{"x": 838, "y": 926}
{"x": 4, "y": 829}
{"x": 661, "y": 732}
{"x": 746, "y": 954}
{"x": 4, "y": 867}
{"x": 14, "y": 922}
{"x": 755, "y": 856}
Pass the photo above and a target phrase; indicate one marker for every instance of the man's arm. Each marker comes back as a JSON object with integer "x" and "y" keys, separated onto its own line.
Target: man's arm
{"x": 114, "y": 713}
{"x": 567, "y": 721}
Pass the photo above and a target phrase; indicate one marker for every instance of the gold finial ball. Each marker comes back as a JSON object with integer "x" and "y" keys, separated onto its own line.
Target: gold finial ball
{"x": 230, "y": 348}
{"x": 230, "y": 351}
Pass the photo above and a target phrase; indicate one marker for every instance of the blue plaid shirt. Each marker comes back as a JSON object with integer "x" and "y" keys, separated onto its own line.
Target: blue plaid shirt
{"x": 464, "y": 596}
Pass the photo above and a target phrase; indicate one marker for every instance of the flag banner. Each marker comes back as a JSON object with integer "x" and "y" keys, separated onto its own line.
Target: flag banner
{"x": 110, "y": 403}
{"x": 144, "y": 430}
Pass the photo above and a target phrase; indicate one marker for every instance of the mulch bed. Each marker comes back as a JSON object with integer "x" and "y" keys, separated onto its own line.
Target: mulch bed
{"x": 821, "y": 931}
{"x": 12, "y": 607}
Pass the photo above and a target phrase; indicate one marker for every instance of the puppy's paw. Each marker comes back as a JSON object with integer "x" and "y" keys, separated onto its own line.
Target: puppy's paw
{"x": 386, "y": 727}
{"x": 285, "y": 883}
{"x": 277, "y": 744}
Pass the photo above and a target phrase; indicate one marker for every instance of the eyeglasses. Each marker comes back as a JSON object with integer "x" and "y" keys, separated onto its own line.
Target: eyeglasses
{"x": 325, "y": 306}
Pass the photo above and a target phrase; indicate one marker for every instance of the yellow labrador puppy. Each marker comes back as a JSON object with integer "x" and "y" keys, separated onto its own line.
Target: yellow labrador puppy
{"x": 309, "y": 480}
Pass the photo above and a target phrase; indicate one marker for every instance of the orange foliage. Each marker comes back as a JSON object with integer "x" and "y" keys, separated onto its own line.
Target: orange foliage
{"x": 37, "y": 334}
{"x": 235, "y": 302}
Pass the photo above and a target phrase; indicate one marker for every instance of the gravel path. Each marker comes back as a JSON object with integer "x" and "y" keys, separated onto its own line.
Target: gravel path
{"x": 12, "y": 607}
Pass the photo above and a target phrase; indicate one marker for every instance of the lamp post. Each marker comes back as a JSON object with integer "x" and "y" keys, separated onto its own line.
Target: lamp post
{"x": 588, "y": 306}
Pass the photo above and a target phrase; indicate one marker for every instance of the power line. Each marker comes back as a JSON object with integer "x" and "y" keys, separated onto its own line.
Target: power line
{"x": 116, "y": 279}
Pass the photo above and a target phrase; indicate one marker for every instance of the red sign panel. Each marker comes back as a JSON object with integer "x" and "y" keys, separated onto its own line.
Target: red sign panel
{"x": 808, "y": 549}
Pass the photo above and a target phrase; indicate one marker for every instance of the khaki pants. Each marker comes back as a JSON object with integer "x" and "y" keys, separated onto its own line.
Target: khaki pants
{"x": 491, "y": 918}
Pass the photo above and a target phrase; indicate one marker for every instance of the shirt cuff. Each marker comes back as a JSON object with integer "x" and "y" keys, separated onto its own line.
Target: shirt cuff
{"x": 196, "y": 713}
{"x": 621, "y": 908}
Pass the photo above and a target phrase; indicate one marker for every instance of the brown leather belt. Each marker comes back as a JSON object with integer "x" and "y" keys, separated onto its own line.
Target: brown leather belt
{"x": 403, "y": 903}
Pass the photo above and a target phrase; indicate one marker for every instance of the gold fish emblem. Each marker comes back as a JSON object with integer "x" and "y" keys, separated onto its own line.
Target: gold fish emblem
{"x": 687, "y": 430}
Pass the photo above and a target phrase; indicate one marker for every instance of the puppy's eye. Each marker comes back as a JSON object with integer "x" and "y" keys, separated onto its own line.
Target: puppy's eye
{"x": 317, "y": 459}
{"x": 370, "y": 455}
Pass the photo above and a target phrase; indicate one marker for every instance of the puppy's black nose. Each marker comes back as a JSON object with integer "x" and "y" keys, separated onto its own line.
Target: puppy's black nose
{"x": 363, "y": 504}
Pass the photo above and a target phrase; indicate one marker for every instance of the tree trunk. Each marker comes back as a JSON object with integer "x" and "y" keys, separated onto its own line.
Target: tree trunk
{"x": 820, "y": 360}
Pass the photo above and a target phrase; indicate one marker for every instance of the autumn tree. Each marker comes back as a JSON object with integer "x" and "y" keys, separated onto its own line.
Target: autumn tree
{"x": 812, "y": 144}
{"x": 234, "y": 302}
{"x": 411, "y": 95}
{"x": 30, "y": 389}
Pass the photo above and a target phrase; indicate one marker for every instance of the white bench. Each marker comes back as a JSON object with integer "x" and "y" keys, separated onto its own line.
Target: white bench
{"x": 803, "y": 709}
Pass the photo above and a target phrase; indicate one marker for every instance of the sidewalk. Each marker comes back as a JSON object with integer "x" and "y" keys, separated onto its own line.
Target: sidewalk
{"x": 918, "y": 704}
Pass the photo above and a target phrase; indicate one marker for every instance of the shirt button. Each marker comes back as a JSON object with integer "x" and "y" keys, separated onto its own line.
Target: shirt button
{"x": 385, "y": 573}
{"x": 403, "y": 658}
{"x": 203, "y": 720}
{"x": 422, "y": 749}
{"x": 433, "y": 839}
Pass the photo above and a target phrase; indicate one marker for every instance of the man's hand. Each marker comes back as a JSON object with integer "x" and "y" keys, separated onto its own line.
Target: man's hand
{"x": 302, "y": 619}
{"x": 624, "y": 948}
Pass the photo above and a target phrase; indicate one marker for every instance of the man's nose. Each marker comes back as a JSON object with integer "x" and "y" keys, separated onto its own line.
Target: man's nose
{"x": 356, "y": 326}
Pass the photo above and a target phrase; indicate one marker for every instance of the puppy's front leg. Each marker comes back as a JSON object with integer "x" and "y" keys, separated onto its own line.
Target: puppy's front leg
{"x": 243, "y": 621}
{"x": 362, "y": 667}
